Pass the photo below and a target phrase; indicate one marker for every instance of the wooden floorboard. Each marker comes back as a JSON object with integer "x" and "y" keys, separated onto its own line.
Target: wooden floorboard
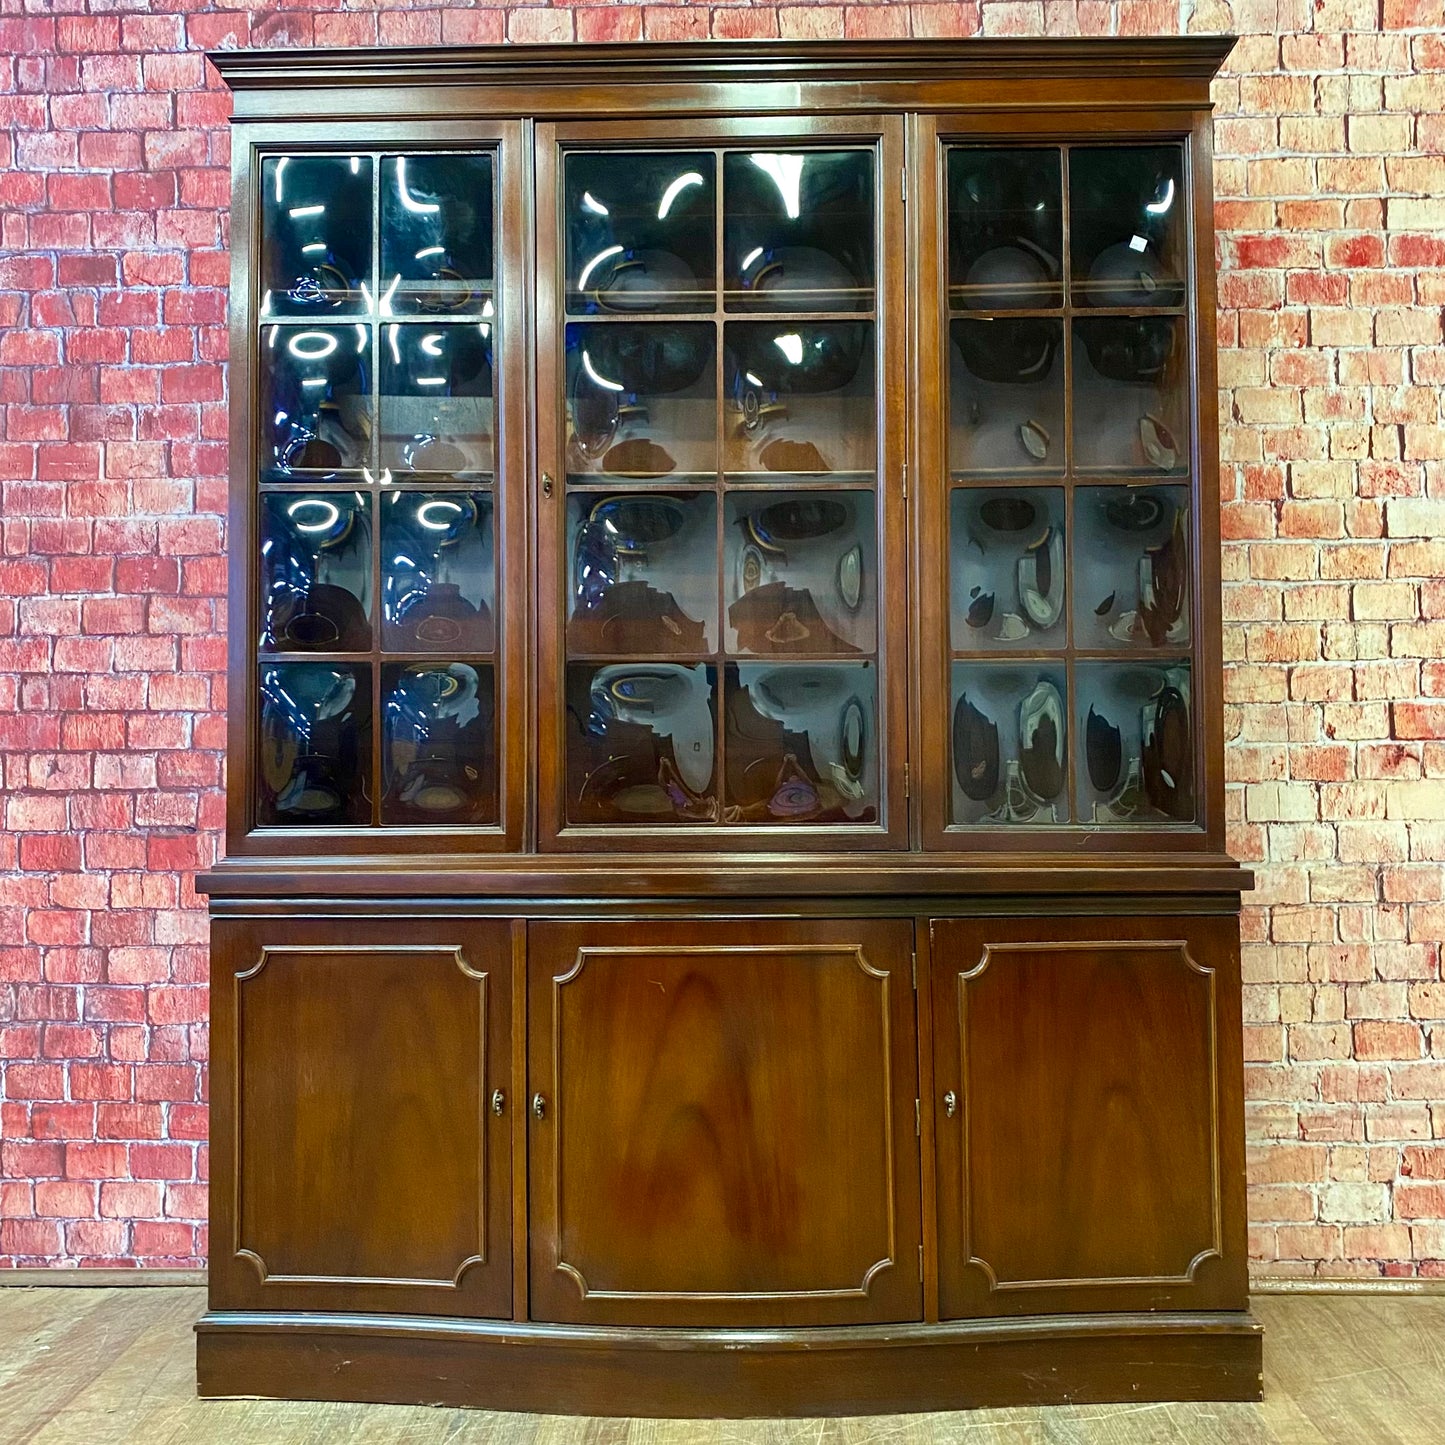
{"x": 115, "y": 1366}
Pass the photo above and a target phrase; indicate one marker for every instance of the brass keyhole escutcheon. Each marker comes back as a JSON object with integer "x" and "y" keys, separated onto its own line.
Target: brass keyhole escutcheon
{"x": 950, "y": 1103}
{"x": 539, "y": 1106}
{"x": 499, "y": 1102}
{"x": 547, "y": 484}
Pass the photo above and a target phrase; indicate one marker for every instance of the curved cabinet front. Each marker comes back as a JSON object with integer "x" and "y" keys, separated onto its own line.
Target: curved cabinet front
{"x": 723, "y": 1123}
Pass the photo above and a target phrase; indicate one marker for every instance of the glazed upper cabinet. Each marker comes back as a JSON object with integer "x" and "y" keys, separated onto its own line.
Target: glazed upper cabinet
{"x": 386, "y": 611}
{"x": 722, "y": 484}
{"x": 1061, "y": 590}
{"x": 849, "y": 518}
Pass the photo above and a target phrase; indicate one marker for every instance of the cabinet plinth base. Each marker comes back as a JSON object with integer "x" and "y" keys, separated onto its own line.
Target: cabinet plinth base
{"x": 863, "y": 1370}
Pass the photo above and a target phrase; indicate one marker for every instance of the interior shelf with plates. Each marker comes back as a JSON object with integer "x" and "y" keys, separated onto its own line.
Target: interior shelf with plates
{"x": 726, "y": 908}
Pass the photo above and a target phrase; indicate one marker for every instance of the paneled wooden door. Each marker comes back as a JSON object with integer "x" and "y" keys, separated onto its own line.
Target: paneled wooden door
{"x": 721, "y": 481}
{"x": 361, "y": 1133}
{"x": 723, "y": 1122}
{"x": 1087, "y": 1092}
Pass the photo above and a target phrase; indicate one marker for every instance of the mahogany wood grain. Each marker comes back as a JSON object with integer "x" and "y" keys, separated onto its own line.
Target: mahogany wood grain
{"x": 1092, "y": 1159}
{"x": 659, "y": 877}
{"x": 357, "y": 1163}
{"x": 726, "y": 1130}
{"x": 1109, "y": 76}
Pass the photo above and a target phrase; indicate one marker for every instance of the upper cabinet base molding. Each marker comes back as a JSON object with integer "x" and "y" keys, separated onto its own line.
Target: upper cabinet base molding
{"x": 726, "y": 910}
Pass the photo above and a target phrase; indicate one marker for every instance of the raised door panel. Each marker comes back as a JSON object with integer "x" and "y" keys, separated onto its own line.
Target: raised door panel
{"x": 361, "y": 1161}
{"x": 1087, "y": 1108}
{"x": 723, "y": 1123}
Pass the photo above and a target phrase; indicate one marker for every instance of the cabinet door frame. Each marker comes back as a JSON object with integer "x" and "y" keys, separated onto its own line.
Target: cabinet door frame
{"x": 930, "y": 136}
{"x": 252, "y": 143}
{"x": 1201, "y": 953}
{"x": 483, "y": 954}
{"x": 557, "y": 953}
{"x": 553, "y": 138}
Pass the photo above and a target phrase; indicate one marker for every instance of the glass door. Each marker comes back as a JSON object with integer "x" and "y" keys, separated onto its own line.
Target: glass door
{"x": 380, "y": 603}
{"x": 720, "y": 514}
{"x": 1063, "y": 584}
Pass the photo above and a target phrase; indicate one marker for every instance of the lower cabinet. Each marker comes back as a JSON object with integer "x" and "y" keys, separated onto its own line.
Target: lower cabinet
{"x": 723, "y": 1122}
{"x": 362, "y": 1147}
{"x": 1086, "y": 1096}
{"x": 721, "y": 1117}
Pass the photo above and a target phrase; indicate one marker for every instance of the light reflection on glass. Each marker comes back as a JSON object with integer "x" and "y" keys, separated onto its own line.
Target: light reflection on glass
{"x": 314, "y": 749}
{"x": 436, "y": 234}
{"x": 316, "y": 238}
{"x": 438, "y": 572}
{"x": 318, "y": 406}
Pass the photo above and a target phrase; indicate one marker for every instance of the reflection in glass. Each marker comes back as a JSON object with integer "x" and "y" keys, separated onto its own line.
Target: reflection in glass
{"x": 315, "y": 745}
{"x": 1126, "y": 225}
{"x": 641, "y": 743}
{"x": 1138, "y": 752}
{"x": 436, "y": 401}
{"x": 801, "y": 743}
{"x": 1006, "y": 395}
{"x": 1005, "y": 229}
{"x": 438, "y": 581}
{"x": 801, "y": 398}
{"x": 439, "y": 747}
{"x": 1010, "y": 740}
{"x": 800, "y": 572}
{"x": 1130, "y": 387}
{"x": 644, "y": 574}
{"x": 1007, "y": 567}
{"x": 641, "y": 400}
{"x": 640, "y": 232}
{"x": 798, "y": 230}
{"x": 315, "y": 235}
{"x": 315, "y": 572}
{"x": 1131, "y": 567}
{"x": 436, "y": 234}
{"x": 316, "y": 407}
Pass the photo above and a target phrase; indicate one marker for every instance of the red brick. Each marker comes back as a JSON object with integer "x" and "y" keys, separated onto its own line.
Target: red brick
{"x": 29, "y": 1237}
{"x": 162, "y": 1161}
{"x": 153, "y": 1240}
{"x": 95, "y": 1161}
{"x": 128, "y": 1199}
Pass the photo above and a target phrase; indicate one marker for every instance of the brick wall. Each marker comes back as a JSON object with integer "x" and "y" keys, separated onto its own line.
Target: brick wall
{"x": 113, "y": 151}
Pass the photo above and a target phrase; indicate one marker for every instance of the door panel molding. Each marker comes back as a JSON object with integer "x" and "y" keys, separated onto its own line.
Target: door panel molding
{"x": 1087, "y": 1071}
{"x": 705, "y": 1118}
{"x": 318, "y": 1034}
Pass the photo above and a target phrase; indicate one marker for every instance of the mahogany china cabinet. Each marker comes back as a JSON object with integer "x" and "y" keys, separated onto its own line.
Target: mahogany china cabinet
{"x": 725, "y": 908}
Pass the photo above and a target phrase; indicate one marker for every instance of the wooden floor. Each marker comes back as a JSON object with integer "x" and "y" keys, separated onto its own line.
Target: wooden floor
{"x": 100, "y": 1366}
